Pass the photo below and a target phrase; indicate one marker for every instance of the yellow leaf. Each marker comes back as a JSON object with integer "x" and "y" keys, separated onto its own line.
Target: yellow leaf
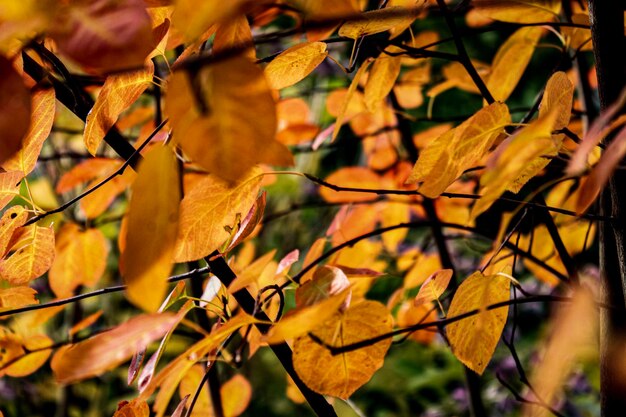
{"x": 516, "y": 160}
{"x": 81, "y": 258}
{"x": 228, "y": 99}
{"x": 134, "y": 408}
{"x": 251, "y": 273}
{"x": 31, "y": 361}
{"x": 519, "y": 11}
{"x": 236, "y": 394}
{"x": 107, "y": 350}
{"x": 415, "y": 5}
{"x": 433, "y": 287}
{"x": 302, "y": 320}
{"x": 117, "y": 94}
{"x": 558, "y": 97}
{"x": 445, "y": 158}
{"x": 410, "y": 314}
{"x": 393, "y": 213}
{"x": 85, "y": 323}
{"x": 32, "y": 256}
{"x": 11, "y": 220}
{"x": 376, "y": 21}
{"x": 40, "y": 125}
{"x": 511, "y": 60}
{"x": 343, "y": 374}
{"x": 17, "y": 297}
{"x": 15, "y": 103}
{"x": 347, "y": 100}
{"x": 573, "y": 335}
{"x": 9, "y": 186}
{"x": 315, "y": 251}
{"x": 207, "y": 208}
{"x": 294, "y": 64}
{"x": 381, "y": 79}
{"x": 474, "y": 339}
{"x": 424, "y": 267}
{"x": 99, "y": 201}
{"x": 188, "y": 386}
{"x": 351, "y": 177}
{"x": 152, "y": 227}
{"x": 234, "y": 33}
{"x": 193, "y": 18}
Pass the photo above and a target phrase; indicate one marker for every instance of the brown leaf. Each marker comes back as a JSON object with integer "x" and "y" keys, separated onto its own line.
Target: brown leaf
{"x": 15, "y": 114}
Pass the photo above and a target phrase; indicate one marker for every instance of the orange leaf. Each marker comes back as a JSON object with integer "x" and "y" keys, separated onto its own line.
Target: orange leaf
{"x": 433, "y": 287}
{"x": 326, "y": 282}
{"x": 236, "y": 394}
{"x": 31, "y": 360}
{"x": 351, "y": 177}
{"x": 294, "y": 64}
{"x": 15, "y": 102}
{"x": 85, "y": 323}
{"x": 234, "y": 33}
{"x": 519, "y": 11}
{"x": 81, "y": 258}
{"x": 40, "y": 125}
{"x": 347, "y": 100}
{"x": 11, "y": 220}
{"x": 377, "y": 21}
{"x": 105, "y": 35}
{"x": 32, "y": 256}
{"x": 152, "y": 227}
{"x": 381, "y": 79}
{"x": 9, "y": 186}
{"x": 134, "y": 408}
{"x": 207, "y": 208}
{"x": 117, "y": 94}
{"x": 410, "y": 314}
{"x": 107, "y": 350}
{"x": 15, "y": 297}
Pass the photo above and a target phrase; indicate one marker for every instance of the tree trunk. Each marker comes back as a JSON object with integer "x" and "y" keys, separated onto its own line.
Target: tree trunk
{"x": 607, "y": 25}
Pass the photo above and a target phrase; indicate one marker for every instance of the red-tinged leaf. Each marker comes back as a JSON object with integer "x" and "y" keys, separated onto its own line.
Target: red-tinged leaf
{"x": 9, "y": 186}
{"x": 601, "y": 173}
{"x": 105, "y": 35}
{"x": 85, "y": 323}
{"x": 295, "y": 64}
{"x": 40, "y": 126}
{"x": 288, "y": 260}
{"x": 11, "y": 220}
{"x": 81, "y": 258}
{"x": 151, "y": 229}
{"x": 15, "y": 297}
{"x": 15, "y": 110}
{"x": 180, "y": 408}
{"x": 209, "y": 207}
{"x": 117, "y": 94}
{"x": 433, "y": 287}
{"x": 134, "y": 408}
{"x": 250, "y": 222}
{"x": 327, "y": 281}
{"x": 359, "y": 272}
{"x": 578, "y": 161}
{"x": 32, "y": 255}
{"x": 107, "y": 350}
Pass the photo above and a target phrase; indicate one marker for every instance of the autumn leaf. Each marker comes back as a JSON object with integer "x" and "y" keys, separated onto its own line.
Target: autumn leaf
{"x": 558, "y": 97}
{"x": 351, "y": 177}
{"x": 11, "y": 220}
{"x": 347, "y": 100}
{"x": 105, "y": 35}
{"x": 511, "y": 61}
{"x": 32, "y": 255}
{"x": 326, "y": 282}
{"x": 209, "y": 207}
{"x": 81, "y": 258}
{"x": 15, "y": 102}
{"x": 234, "y": 33}
{"x": 410, "y": 314}
{"x": 294, "y": 64}
{"x": 236, "y": 394}
{"x": 107, "y": 350}
{"x": 43, "y": 102}
{"x": 152, "y": 227}
{"x": 474, "y": 339}
{"x": 433, "y": 287}
{"x": 134, "y": 408}
{"x": 34, "y": 356}
{"x": 228, "y": 86}
{"x": 381, "y": 79}
{"x": 9, "y": 186}
{"x": 376, "y": 21}
{"x": 17, "y": 297}
{"x": 343, "y": 374}
{"x": 518, "y": 11}
{"x": 117, "y": 94}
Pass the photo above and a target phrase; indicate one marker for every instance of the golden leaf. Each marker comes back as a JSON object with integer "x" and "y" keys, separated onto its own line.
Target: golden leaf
{"x": 40, "y": 125}
{"x": 15, "y": 297}
{"x": 381, "y": 79}
{"x": 351, "y": 177}
{"x": 81, "y": 258}
{"x": 410, "y": 314}
{"x": 558, "y": 97}
{"x": 15, "y": 102}
{"x": 473, "y": 340}
{"x": 294, "y": 64}
{"x": 519, "y": 11}
{"x": 151, "y": 228}
{"x": 232, "y": 125}
{"x": 207, "y": 208}
{"x": 343, "y": 374}
{"x": 32, "y": 255}
{"x": 117, "y": 94}
{"x": 234, "y": 33}
{"x": 348, "y": 102}
{"x": 9, "y": 186}
{"x": 32, "y": 361}
{"x": 193, "y": 19}
{"x": 377, "y": 21}
{"x": 433, "y": 287}
{"x": 511, "y": 61}
{"x": 134, "y": 408}
{"x": 11, "y": 220}
{"x": 107, "y": 350}
{"x": 236, "y": 394}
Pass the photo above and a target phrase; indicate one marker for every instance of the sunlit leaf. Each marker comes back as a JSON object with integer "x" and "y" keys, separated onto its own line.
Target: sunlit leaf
{"x": 410, "y": 314}
{"x": 519, "y": 11}
{"x": 81, "y": 258}
{"x": 40, "y": 125}
{"x": 351, "y": 177}
{"x": 433, "y": 287}
{"x": 105, "y": 35}
{"x": 558, "y": 97}
{"x": 31, "y": 256}
{"x": 85, "y": 323}
{"x": 236, "y": 394}
{"x": 381, "y": 79}
{"x": 107, "y": 350}
{"x": 326, "y": 282}
{"x": 511, "y": 61}
{"x": 234, "y": 33}
{"x": 117, "y": 94}
{"x": 9, "y": 186}
{"x": 188, "y": 387}
{"x": 348, "y": 98}
{"x": 32, "y": 361}
{"x": 152, "y": 228}
{"x": 15, "y": 297}
{"x": 294, "y": 64}
{"x": 377, "y": 21}
{"x": 474, "y": 339}
{"x": 134, "y": 408}
{"x": 11, "y": 220}
{"x": 209, "y": 207}
{"x": 343, "y": 374}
